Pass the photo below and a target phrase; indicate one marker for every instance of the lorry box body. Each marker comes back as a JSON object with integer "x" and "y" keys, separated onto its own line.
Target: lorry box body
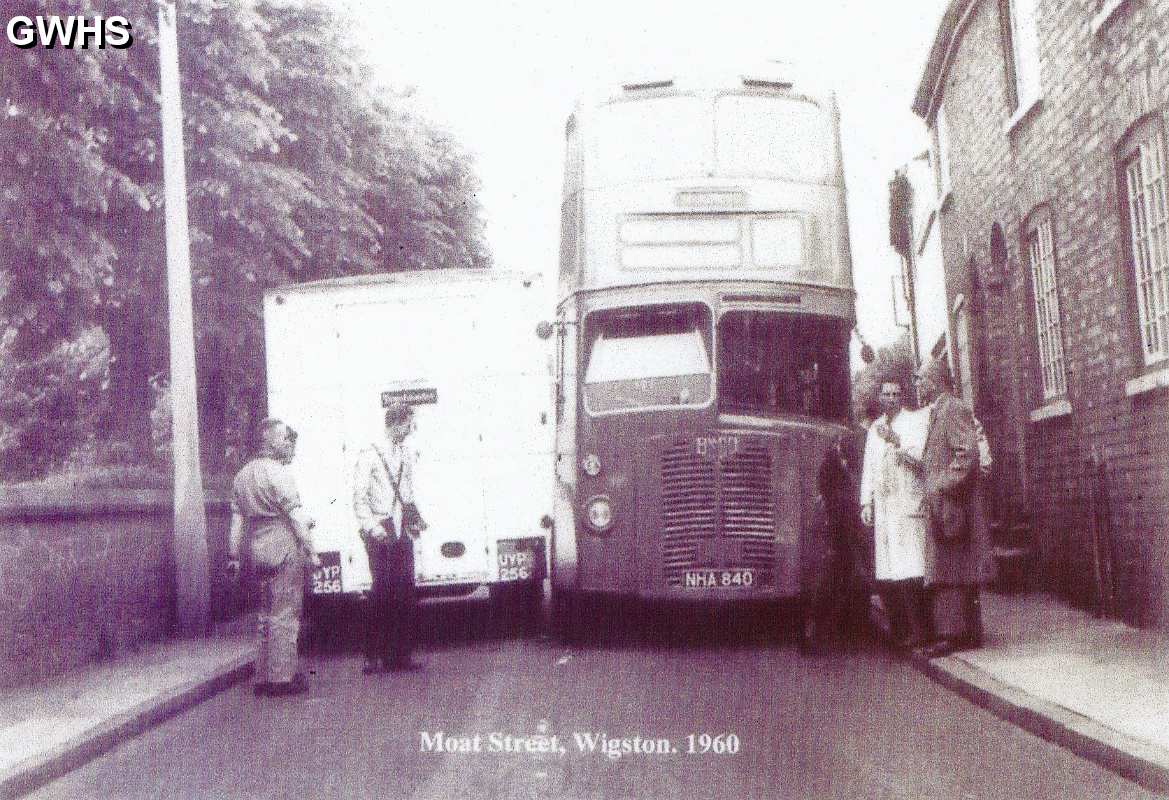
{"x": 461, "y": 347}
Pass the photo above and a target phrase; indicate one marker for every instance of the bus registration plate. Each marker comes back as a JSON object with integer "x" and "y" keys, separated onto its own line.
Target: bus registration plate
{"x": 718, "y": 579}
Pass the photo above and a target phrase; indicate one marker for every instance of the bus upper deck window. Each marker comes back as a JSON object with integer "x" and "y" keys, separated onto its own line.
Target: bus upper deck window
{"x": 650, "y": 139}
{"x": 784, "y": 137}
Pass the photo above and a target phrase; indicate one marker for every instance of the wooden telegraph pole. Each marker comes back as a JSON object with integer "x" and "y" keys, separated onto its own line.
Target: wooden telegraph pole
{"x": 192, "y": 577}
{"x": 901, "y": 238}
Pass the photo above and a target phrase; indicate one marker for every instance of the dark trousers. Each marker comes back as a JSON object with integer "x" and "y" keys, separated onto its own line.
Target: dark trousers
{"x": 908, "y": 606}
{"x": 840, "y": 600}
{"x": 957, "y": 614}
{"x": 391, "y": 619}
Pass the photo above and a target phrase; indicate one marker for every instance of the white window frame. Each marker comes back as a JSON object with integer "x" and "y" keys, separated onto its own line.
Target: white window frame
{"x": 942, "y": 155}
{"x": 1045, "y": 289}
{"x": 1144, "y": 180}
{"x": 1024, "y": 52}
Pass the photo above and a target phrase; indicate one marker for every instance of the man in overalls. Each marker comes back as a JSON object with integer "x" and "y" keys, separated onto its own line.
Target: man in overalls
{"x": 266, "y": 512}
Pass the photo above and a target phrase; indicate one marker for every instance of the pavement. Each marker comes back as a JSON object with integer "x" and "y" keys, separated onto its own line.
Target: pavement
{"x": 1094, "y": 686}
{"x": 49, "y": 729}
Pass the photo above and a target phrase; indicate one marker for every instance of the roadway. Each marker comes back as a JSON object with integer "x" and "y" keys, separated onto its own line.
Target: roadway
{"x": 860, "y": 724}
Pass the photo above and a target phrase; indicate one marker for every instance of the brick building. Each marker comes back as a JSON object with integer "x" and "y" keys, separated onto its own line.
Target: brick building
{"x": 1047, "y": 121}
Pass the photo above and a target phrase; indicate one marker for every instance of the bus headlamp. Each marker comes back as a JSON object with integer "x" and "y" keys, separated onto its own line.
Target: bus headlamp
{"x": 599, "y": 513}
{"x": 591, "y": 465}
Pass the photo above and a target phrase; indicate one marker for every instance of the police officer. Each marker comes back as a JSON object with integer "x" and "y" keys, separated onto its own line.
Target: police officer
{"x": 383, "y": 501}
{"x": 839, "y": 603}
{"x": 267, "y": 516}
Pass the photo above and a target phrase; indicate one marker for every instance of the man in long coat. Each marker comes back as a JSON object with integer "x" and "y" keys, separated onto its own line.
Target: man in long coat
{"x": 957, "y": 540}
{"x": 891, "y": 502}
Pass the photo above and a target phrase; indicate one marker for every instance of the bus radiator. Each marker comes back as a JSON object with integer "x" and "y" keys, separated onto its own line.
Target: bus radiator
{"x": 717, "y": 511}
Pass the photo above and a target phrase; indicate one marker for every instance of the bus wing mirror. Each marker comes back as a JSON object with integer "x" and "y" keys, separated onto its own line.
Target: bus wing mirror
{"x": 544, "y": 329}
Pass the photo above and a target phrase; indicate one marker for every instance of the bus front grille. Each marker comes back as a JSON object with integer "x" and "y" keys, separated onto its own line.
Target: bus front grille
{"x": 717, "y": 513}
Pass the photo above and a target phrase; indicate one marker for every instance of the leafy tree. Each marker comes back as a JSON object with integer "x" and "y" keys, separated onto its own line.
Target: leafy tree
{"x": 429, "y": 213}
{"x": 297, "y": 169}
{"x": 51, "y": 400}
{"x": 71, "y": 212}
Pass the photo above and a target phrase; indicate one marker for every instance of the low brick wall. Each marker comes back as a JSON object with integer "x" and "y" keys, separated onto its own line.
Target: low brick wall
{"x": 89, "y": 576}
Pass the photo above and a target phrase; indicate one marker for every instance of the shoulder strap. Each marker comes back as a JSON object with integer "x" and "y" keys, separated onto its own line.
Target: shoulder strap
{"x": 395, "y": 481}
{"x": 929, "y": 425}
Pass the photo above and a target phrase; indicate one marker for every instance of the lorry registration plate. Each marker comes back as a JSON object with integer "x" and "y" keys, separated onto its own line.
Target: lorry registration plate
{"x": 327, "y": 577}
{"x": 520, "y": 559}
{"x": 516, "y": 565}
{"x": 718, "y": 579}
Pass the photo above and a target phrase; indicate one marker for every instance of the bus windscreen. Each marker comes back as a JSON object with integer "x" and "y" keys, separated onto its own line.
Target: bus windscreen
{"x": 648, "y": 358}
{"x": 773, "y": 363}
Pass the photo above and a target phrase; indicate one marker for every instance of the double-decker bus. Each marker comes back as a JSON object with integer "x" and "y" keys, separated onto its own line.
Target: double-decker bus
{"x": 704, "y": 320}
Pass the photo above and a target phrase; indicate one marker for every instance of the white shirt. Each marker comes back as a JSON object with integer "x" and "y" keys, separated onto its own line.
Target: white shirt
{"x": 378, "y": 468}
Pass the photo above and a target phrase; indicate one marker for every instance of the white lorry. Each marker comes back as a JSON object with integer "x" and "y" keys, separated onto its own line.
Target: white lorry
{"x": 462, "y": 347}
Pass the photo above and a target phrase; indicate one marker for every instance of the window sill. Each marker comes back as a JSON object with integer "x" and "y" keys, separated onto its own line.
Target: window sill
{"x": 1105, "y": 15}
{"x": 944, "y": 200}
{"x": 1021, "y": 113}
{"x": 1056, "y": 408}
{"x": 1147, "y": 383}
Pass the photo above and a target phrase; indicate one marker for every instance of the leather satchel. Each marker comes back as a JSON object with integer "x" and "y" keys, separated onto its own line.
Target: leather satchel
{"x": 948, "y": 516}
{"x": 412, "y": 522}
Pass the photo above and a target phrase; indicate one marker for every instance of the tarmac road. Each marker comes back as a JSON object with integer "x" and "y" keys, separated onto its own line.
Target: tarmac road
{"x": 847, "y": 725}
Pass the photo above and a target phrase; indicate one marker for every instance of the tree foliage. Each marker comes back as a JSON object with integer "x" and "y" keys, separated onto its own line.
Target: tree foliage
{"x": 893, "y": 362}
{"x": 298, "y": 168}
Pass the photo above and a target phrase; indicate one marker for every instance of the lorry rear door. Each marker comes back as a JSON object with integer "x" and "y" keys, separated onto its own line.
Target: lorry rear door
{"x": 419, "y": 344}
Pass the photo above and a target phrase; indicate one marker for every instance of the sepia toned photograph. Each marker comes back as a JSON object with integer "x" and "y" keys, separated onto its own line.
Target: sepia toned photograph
{"x": 637, "y": 400}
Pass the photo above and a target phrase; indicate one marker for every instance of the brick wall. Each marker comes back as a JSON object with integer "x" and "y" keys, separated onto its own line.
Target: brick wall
{"x": 87, "y": 577}
{"x": 1063, "y": 157}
